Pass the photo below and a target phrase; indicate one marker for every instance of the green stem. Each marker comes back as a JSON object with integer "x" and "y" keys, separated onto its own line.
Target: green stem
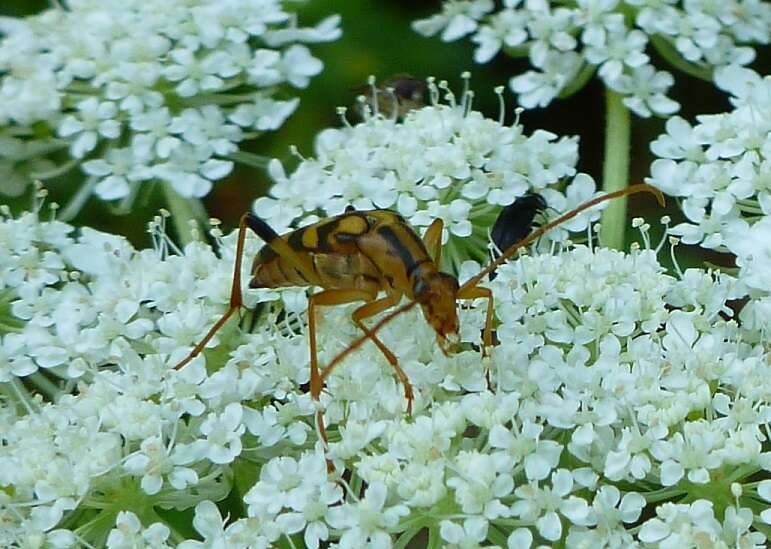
{"x": 22, "y": 395}
{"x": 45, "y": 385}
{"x": 409, "y": 534}
{"x": 663, "y": 494}
{"x": 434, "y": 541}
{"x": 218, "y": 99}
{"x": 578, "y": 81}
{"x": 669, "y": 52}
{"x": 80, "y": 87}
{"x": 615, "y": 173}
{"x": 56, "y": 172}
{"x": 183, "y": 210}
{"x": 77, "y": 202}
{"x": 249, "y": 159}
{"x": 127, "y": 202}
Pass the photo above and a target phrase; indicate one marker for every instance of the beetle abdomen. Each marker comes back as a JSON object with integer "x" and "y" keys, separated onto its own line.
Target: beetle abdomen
{"x": 334, "y": 270}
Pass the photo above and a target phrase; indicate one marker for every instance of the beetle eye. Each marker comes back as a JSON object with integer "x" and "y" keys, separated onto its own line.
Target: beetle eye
{"x": 420, "y": 287}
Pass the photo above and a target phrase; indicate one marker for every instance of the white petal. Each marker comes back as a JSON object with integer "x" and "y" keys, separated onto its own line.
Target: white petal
{"x": 152, "y": 484}
{"x": 764, "y": 489}
{"x": 112, "y": 188}
{"x": 521, "y": 538}
{"x": 654, "y": 530}
{"x": 549, "y": 526}
{"x": 631, "y": 506}
{"x": 451, "y": 532}
{"x": 671, "y": 472}
{"x": 216, "y": 169}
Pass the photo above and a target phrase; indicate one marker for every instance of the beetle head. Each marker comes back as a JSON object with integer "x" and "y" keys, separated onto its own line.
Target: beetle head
{"x": 437, "y": 293}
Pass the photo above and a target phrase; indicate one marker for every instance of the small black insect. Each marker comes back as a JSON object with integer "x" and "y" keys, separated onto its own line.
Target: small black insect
{"x": 516, "y": 220}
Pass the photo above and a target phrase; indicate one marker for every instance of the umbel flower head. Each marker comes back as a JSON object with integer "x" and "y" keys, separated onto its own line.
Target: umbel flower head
{"x": 613, "y": 385}
{"x": 139, "y": 90}
{"x": 444, "y": 160}
{"x": 567, "y": 42}
{"x": 720, "y": 170}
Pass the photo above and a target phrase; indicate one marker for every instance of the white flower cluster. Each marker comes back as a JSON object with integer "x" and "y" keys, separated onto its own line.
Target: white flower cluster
{"x": 567, "y": 42}
{"x": 720, "y": 169}
{"x": 138, "y": 90}
{"x": 441, "y": 161}
{"x": 87, "y": 304}
{"x": 614, "y": 390}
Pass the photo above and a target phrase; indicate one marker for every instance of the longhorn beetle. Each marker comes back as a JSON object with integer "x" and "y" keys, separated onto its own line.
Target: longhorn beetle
{"x": 356, "y": 255}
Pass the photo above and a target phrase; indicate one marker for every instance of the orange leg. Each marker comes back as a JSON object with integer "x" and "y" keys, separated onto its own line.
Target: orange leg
{"x": 280, "y": 246}
{"x": 487, "y": 335}
{"x": 433, "y": 240}
{"x": 326, "y": 297}
{"x": 359, "y": 341}
{"x": 369, "y": 310}
{"x": 474, "y": 293}
{"x": 236, "y": 299}
{"x": 338, "y": 297}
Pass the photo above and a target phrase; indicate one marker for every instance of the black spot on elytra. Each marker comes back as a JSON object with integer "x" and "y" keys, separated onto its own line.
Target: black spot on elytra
{"x": 397, "y": 248}
{"x": 325, "y": 233}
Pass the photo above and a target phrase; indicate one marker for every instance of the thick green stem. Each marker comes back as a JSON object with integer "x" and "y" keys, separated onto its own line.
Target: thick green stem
{"x": 615, "y": 173}
{"x": 183, "y": 211}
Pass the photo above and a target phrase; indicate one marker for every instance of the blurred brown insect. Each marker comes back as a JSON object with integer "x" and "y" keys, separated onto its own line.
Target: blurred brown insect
{"x": 395, "y": 96}
{"x": 358, "y": 254}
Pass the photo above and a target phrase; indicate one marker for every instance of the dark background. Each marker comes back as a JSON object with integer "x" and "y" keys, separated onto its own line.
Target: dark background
{"x": 378, "y": 40}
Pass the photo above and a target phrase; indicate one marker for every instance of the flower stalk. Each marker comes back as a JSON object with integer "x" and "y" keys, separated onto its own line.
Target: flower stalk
{"x": 615, "y": 173}
{"x": 183, "y": 212}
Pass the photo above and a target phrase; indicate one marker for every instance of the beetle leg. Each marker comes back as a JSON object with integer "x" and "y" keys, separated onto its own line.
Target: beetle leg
{"x": 371, "y": 309}
{"x": 326, "y": 297}
{"x": 475, "y": 292}
{"x": 236, "y": 298}
{"x": 303, "y": 264}
{"x": 433, "y": 240}
{"x": 271, "y": 238}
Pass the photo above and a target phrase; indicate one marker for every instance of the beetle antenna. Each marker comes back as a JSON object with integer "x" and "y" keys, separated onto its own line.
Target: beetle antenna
{"x": 639, "y": 188}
